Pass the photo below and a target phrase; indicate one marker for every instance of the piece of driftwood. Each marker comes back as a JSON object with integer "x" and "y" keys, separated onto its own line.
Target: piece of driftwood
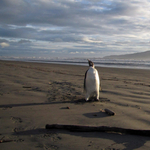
{"x": 109, "y": 112}
{"x": 3, "y": 141}
{"x": 80, "y": 128}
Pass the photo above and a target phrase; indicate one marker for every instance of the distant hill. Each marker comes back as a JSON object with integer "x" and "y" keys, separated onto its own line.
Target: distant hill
{"x": 135, "y": 56}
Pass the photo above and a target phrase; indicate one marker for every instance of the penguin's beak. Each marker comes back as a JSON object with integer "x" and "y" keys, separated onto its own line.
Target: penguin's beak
{"x": 90, "y": 63}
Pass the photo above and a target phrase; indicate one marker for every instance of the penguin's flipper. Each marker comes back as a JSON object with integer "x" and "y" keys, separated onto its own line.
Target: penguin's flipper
{"x": 85, "y": 80}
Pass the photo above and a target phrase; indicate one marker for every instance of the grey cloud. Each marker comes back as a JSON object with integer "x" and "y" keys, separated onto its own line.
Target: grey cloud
{"x": 24, "y": 41}
{"x": 65, "y": 13}
{"x": 58, "y": 13}
{"x": 112, "y": 22}
{"x": 123, "y": 8}
{"x": 21, "y": 32}
{"x": 3, "y": 40}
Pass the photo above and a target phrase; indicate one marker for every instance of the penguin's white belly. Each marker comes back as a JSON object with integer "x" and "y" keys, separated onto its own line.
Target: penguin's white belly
{"x": 92, "y": 82}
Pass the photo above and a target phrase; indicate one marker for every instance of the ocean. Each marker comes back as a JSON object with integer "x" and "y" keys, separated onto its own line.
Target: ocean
{"x": 133, "y": 64}
{"x": 99, "y": 62}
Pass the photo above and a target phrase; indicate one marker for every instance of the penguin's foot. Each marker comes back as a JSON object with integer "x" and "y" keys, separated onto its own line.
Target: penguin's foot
{"x": 96, "y": 99}
{"x": 86, "y": 100}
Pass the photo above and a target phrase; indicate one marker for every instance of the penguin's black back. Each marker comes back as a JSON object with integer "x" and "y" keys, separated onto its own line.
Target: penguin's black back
{"x": 85, "y": 80}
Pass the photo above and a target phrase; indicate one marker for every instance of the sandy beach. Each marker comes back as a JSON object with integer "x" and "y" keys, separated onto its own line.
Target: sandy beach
{"x": 35, "y": 94}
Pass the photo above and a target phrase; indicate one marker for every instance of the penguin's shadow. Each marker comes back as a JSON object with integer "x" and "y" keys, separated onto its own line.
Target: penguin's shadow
{"x": 98, "y": 114}
{"x": 83, "y": 101}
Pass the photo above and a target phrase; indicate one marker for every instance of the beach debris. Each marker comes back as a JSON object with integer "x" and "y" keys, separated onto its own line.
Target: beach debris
{"x": 3, "y": 141}
{"x": 16, "y": 119}
{"x": 67, "y": 107}
{"x": 102, "y": 110}
{"x": 36, "y": 89}
{"x": 25, "y": 86}
{"x": 2, "y": 138}
{"x": 109, "y": 112}
{"x": 107, "y": 129}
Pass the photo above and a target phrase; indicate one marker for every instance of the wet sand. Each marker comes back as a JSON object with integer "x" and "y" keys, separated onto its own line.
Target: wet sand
{"x": 35, "y": 94}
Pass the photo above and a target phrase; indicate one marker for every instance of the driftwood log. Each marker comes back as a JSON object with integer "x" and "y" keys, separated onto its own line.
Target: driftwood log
{"x": 79, "y": 128}
{"x": 4, "y": 141}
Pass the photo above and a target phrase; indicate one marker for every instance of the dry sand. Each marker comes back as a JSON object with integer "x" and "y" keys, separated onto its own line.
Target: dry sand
{"x": 35, "y": 94}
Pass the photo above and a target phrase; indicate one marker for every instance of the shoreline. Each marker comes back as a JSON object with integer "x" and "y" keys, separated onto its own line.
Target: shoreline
{"x": 102, "y": 64}
{"x": 35, "y": 94}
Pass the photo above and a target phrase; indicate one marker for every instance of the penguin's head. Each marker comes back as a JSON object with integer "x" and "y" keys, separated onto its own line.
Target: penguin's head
{"x": 91, "y": 64}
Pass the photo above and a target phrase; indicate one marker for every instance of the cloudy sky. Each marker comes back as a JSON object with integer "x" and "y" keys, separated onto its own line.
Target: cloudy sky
{"x": 73, "y": 28}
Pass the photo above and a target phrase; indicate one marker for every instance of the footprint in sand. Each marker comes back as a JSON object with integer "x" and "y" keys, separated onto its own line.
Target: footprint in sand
{"x": 19, "y": 140}
{"x": 54, "y": 137}
{"x": 5, "y": 108}
{"x": 18, "y": 130}
{"x": 16, "y": 119}
{"x": 50, "y": 147}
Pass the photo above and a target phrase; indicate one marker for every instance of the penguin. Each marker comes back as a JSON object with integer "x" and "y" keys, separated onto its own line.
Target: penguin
{"x": 91, "y": 82}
